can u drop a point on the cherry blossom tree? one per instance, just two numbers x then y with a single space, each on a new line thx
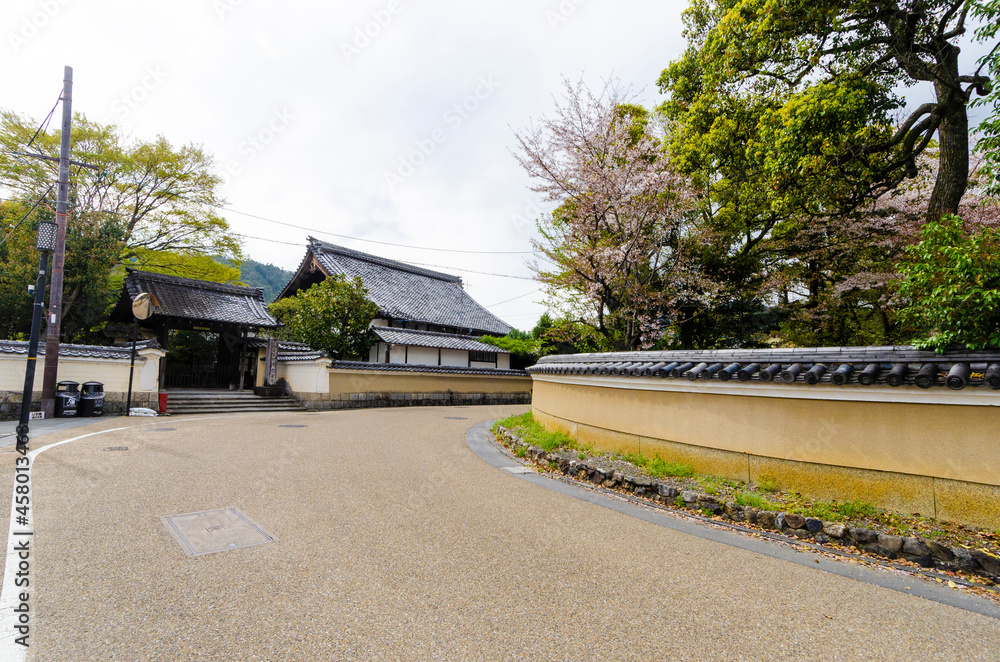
617 252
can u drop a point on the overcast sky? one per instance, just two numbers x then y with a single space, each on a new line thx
386 120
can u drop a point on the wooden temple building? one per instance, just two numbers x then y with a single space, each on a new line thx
426 318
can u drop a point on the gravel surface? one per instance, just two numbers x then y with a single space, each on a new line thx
395 542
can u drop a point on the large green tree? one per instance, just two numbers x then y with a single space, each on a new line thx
92 249
813 178
833 132
148 204
164 197
333 315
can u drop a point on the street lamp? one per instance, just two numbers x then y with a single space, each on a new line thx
46 244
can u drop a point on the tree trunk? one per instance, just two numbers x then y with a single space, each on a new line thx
953 136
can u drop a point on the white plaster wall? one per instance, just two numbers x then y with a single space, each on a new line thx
307 376
113 373
422 356
503 361
455 357
397 354
483 364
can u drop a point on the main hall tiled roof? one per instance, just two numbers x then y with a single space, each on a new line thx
405 292
433 339
199 300
895 366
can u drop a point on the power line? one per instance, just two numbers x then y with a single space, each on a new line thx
45 123
25 217
273 241
418 264
468 271
512 299
370 241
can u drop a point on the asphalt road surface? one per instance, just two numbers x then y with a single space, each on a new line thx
394 541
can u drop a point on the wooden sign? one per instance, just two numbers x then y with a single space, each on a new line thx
271 363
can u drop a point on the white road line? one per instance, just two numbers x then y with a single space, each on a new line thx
10 650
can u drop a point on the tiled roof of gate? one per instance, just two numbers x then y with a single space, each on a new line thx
299 355
395 336
187 298
864 366
403 291
255 342
79 351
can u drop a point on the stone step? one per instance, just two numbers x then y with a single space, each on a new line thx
215 396
241 406
198 410
221 402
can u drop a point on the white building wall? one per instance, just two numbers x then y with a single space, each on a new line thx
455 357
422 356
415 355
397 354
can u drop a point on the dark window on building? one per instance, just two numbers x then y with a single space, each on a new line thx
483 357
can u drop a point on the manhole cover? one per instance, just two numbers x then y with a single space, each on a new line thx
456 418
213 531
163 429
116 448
293 426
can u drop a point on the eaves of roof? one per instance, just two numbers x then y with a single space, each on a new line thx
396 336
451 370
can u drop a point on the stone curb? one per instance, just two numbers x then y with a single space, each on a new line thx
923 551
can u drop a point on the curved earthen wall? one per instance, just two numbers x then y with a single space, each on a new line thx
933 452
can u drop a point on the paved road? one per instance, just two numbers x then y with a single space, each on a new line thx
396 542
38 429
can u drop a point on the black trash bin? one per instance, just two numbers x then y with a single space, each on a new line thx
67 397
92 400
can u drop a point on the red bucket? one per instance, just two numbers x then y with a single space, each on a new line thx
163 403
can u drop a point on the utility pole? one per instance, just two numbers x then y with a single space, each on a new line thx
54 321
